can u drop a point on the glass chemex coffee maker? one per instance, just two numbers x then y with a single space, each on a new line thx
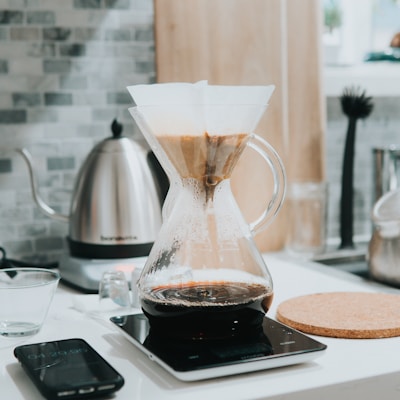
205 278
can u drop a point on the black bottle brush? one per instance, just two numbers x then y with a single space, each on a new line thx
355 105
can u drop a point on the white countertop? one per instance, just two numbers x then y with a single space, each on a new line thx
349 369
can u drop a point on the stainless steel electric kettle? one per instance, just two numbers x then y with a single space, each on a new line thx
115 208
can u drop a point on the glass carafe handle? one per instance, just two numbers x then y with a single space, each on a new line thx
268 153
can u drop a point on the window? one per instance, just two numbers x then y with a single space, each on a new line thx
354 28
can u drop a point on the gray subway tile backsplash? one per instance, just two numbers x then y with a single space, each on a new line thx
25 33
40 50
60 163
119 4
58 99
32 230
57 33
72 50
85 34
5 165
69 82
144 34
64 68
119 98
87 3
20 100
43 17
142 66
11 17
3 33
49 244
51 66
40 115
3 66
21 247
13 116
118 34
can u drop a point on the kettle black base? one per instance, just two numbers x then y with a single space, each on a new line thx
102 251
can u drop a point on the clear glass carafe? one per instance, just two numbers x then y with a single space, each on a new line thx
204 277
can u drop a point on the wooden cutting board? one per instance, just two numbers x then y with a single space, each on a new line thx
351 315
257 42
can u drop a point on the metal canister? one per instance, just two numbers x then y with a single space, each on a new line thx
386 170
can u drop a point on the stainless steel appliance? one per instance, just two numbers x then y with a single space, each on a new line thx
386 170
384 246
115 210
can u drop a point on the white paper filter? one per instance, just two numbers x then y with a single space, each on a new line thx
195 108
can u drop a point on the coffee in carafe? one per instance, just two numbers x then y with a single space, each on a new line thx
204 310
205 278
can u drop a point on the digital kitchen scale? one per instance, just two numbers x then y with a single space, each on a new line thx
85 274
276 345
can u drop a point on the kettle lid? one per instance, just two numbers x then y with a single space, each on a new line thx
116 129
117 142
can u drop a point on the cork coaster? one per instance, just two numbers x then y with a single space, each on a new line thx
351 315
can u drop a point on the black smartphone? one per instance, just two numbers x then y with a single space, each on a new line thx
68 369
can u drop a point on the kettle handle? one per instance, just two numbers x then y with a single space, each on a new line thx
269 154
35 191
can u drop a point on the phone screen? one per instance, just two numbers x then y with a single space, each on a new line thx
68 368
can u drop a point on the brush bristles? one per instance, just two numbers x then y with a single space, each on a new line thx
355 103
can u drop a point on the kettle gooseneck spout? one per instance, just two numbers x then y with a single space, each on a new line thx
50 212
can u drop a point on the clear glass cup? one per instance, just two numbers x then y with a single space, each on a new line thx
25 298
114 291
308 218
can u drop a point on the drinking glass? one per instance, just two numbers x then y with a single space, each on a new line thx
114 291
25 297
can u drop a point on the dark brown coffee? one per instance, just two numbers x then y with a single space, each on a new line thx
207 310
207 158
